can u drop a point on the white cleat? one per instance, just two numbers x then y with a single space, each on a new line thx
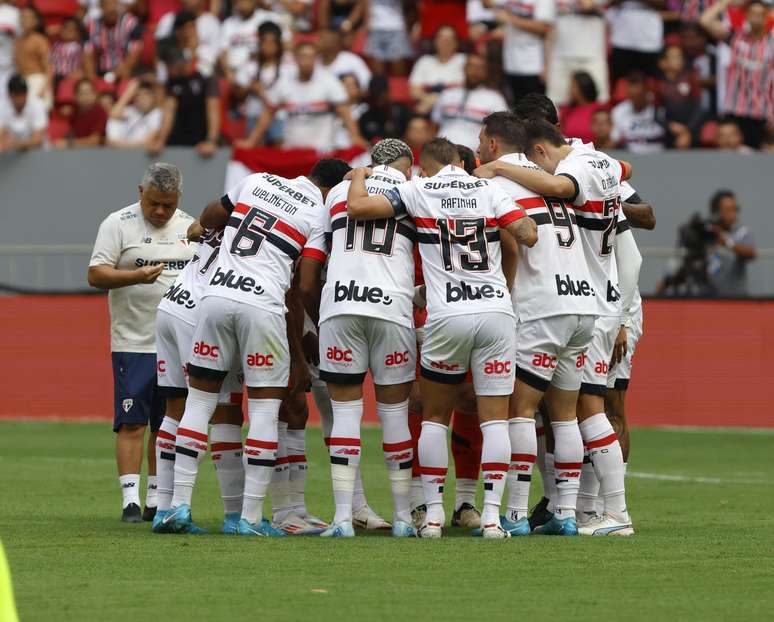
316 521
294 525
606 525
365 518
430 530
343 529
583 519
494 531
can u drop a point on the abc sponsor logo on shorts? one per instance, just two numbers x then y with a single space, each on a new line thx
397 358
471 292
205 350
445 366
161 367
601 368
544 361
337 355
581 360
360 293
260 360
230 280
567 287
497 368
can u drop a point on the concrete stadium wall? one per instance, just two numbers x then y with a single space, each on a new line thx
57 199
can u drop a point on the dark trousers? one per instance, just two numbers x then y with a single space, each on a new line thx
522 85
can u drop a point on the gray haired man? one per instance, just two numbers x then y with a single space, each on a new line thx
138 253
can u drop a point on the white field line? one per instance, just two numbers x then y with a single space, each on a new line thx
691 479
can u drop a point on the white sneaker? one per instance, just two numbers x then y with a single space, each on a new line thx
430 530
294 525
494 531
606 525
365 518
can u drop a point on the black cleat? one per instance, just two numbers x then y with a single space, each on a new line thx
148 514
466 516
132 514
539 515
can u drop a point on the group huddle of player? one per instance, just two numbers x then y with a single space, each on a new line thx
507 293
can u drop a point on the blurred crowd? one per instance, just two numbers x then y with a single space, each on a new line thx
333 74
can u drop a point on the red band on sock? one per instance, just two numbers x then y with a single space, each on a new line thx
602 442
398 446
297 458
283 460
192 434
523 458
166 435
433 471
327 440
225 446
352 442
251 442
568 465
495 466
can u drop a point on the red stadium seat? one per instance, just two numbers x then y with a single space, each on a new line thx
399 89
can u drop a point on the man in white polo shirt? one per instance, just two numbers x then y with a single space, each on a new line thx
138 254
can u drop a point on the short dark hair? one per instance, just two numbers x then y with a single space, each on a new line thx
729 121
269 28
440 150
536 107
586 85
539 131
182 18
468 158
17 85
723 193
637 77
506 127
329 172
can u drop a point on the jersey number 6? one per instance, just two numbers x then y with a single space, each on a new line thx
252 232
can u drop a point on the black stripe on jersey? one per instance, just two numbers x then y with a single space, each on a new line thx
433 238
634 199
328 240
406 231
592 224
339 223
285 246
234 222
226 203
622 226
575 185
544 218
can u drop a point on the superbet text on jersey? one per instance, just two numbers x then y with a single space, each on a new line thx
371 264
597 204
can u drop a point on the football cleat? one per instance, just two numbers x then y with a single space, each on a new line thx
430 530
401 529
418 515
540 514
158 525
494 531
263 528
315 521
583 519
466 516
148 513
178 520
294 525
559 527
606 525
516 528
365 518
344 529
231 523
131 514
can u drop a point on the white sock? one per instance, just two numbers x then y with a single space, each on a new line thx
417 494
280 481
226 453
344 447
434 464
464 492
540 460
588 490
165 463
549 483
191 443
521 431
495 454
607 459
296 447
568 460
151 496
398 451
259 456
130 485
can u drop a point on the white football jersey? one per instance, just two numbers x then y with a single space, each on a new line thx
552 277
183 296
458 219
371 262
272 218
597 205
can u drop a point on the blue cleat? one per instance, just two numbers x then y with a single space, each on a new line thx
559 527
231 523
344 529
158 525
178 520
401 529
264 528
516 528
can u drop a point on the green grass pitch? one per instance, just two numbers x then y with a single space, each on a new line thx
704 547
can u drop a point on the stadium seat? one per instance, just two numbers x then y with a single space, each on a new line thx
399 89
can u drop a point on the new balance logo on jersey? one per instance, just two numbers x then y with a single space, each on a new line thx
397 358
232 281
179 295
445 366
544 360
360 293
471 292
567 287
205 349
260 360
338 355
497 368
613 295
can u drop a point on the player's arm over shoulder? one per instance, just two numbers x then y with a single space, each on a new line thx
362 206
512 218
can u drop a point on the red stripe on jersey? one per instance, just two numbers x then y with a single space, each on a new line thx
339 207
523 457
251 442
596 207
568 465
289 231
338 440
623 170
531 202
166 435
314 253
602 442
510 217
398 446
495 466
192 434
429 223
225 446
241 208
432 471
297 458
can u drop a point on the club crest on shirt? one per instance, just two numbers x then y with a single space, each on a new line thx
127 405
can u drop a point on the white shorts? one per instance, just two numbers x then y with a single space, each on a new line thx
597 362
350 345
233 334
619 375
549 351
484 343
173 347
